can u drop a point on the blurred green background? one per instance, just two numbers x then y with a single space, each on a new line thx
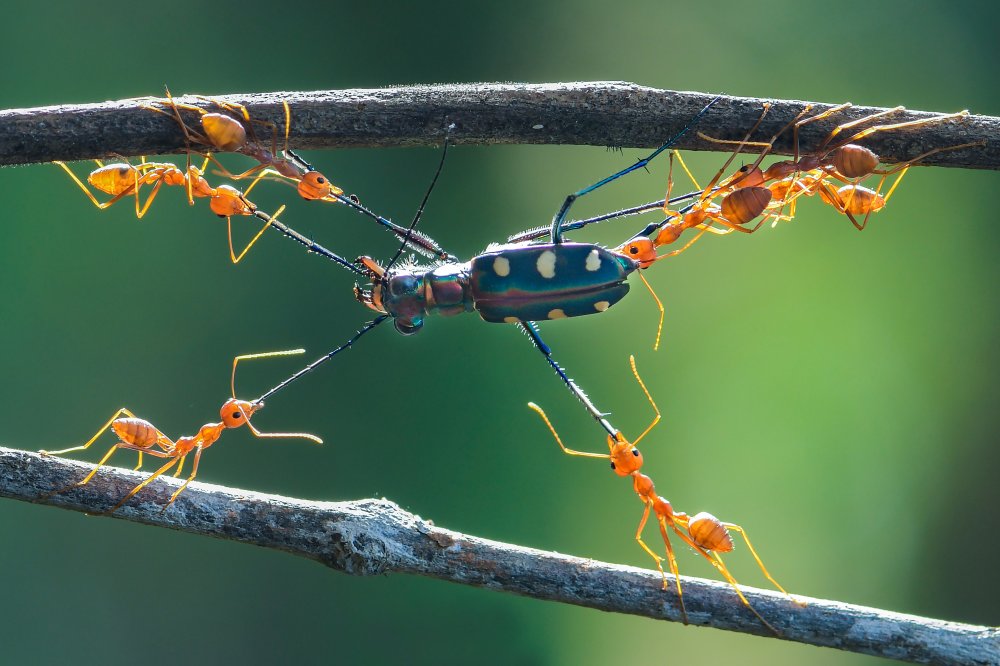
833 391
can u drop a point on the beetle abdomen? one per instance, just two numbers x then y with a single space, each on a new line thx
538 282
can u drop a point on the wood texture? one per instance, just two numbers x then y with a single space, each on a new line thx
589 113
376 537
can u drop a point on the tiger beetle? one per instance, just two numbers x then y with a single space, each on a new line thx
516 283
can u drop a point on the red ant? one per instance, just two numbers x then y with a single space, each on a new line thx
123 179
703 532
743 200
846 162
226 133
142 436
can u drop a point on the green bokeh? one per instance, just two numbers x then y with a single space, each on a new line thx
834 392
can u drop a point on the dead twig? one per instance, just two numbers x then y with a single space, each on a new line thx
592 113
370 537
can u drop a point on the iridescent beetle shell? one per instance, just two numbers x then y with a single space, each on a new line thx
539 282
509 283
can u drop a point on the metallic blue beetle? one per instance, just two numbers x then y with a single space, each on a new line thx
505 284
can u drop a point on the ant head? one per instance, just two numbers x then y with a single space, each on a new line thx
625 458
313 185
225 133
235 412
640 249
750 176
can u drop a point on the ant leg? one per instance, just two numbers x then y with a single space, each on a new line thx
555 233
736 528
922 156
659 305
89 476
194 473
149 200
93 439
819 116
132 493
854 123
910 123
180 466
716 561
190 136
674 253
706 194
672 561
649 551
268 220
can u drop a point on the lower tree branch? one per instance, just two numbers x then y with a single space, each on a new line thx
369 537
592 113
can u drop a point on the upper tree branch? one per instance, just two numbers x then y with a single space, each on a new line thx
376 537
597 113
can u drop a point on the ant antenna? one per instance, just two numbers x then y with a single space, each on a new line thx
248 357
420 210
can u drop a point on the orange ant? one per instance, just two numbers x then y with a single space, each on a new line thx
228 134
142 436
846 162
123 179
224 132
743 200
703 532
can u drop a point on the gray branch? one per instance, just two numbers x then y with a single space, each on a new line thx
594 113
373 537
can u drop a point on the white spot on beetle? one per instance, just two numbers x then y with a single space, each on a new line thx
593 261
501 266
546 264
511 320
556 314
601 306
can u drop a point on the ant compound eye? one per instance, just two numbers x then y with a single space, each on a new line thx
237 414
613 465
320 180
633 250
635 452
